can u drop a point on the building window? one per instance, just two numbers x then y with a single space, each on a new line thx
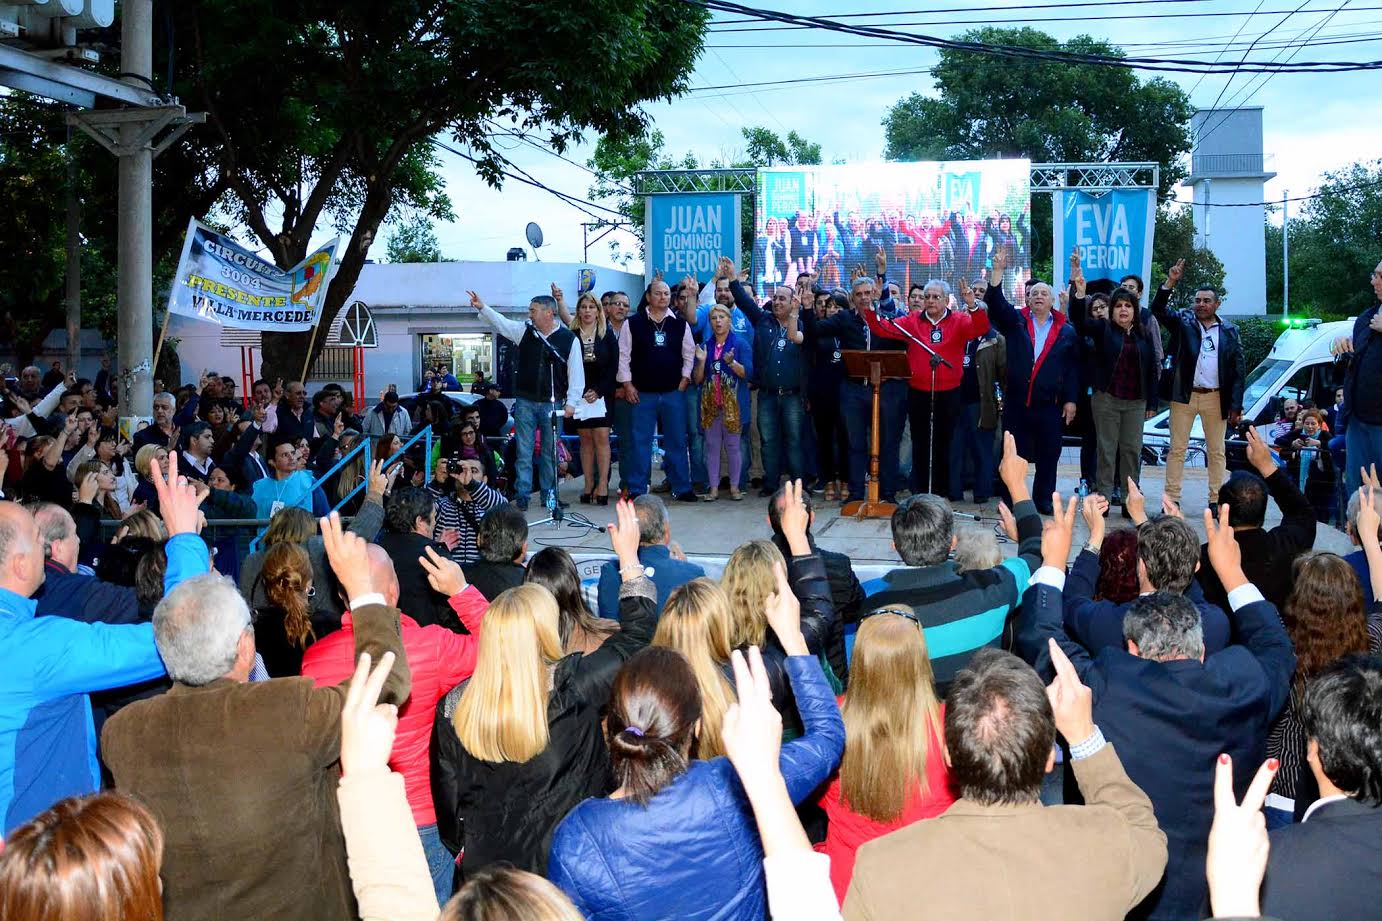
333 364
461 354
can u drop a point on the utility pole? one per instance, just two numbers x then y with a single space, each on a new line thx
135 287
74 261
1285 254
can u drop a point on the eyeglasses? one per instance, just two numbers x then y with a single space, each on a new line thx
899 612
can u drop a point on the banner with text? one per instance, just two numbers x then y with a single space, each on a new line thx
931 220
1113 231
687 234
222 282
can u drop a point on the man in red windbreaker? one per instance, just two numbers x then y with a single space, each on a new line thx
935 388
440 660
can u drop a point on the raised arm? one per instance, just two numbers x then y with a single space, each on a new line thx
1041 619
806 572
1297 528
510 329
1159 307
637 613
745 302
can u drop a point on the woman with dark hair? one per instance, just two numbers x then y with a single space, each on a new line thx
577 626
104 444
1308 445
1327 617
89 857
283 627
1124 374
667 802
1118 567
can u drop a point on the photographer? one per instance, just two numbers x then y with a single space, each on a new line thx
463 496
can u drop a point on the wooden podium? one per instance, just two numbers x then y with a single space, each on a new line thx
874 367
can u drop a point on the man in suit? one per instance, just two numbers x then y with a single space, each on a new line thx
1206 379
1328 865
1072 863
654 552
1169 708
1361 417
1167 552
1043 375
1267 555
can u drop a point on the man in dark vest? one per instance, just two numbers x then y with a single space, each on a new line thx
550 375
656 352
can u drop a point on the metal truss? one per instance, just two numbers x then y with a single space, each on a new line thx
1045 177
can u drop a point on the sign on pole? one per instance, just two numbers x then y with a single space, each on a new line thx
1112 229
686 234
222 282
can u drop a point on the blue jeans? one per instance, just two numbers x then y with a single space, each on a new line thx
621 420
440 862
1362 448
970 441
695 438
528 418
780 420
856 408
669 409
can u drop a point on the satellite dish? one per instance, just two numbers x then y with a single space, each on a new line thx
534 234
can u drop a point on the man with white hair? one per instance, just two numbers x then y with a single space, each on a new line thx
49 665
242 776
1043 375
933 397
162 431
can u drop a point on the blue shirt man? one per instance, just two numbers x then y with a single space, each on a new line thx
654 552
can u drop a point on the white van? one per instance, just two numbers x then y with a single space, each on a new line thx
1300 365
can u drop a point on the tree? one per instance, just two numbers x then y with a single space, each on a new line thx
1053 113
618 159
325 112
414 241
1334 246
1175 239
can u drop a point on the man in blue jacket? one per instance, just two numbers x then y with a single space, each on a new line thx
654 552
48 665
1043 375
1169 708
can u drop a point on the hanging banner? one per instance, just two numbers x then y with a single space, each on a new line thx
686 234
222 282
931 220
1112 229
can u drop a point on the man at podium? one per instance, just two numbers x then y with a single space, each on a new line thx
936 336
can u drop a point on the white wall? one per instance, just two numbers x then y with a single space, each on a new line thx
1238 237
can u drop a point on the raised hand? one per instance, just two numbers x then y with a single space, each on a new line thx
657 274
1094 507
1238 842
178 502
1072 702
475 301
1368 517
1369 476
880 261
783 612
367 726
1259 455
1135 503
1012 470
724 267
1077 279
1169 507
967 294
557 294
443 573
338 427
1074 260
1000 265
378 481
347 553
623 535
795 519
87 489
1174 275
450 537
1224 553
1005 515
752 727
1059 533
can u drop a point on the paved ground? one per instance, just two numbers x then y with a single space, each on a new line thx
715 529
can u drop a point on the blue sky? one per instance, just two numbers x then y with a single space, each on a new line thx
1313 122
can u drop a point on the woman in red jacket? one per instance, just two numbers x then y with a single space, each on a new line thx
894 771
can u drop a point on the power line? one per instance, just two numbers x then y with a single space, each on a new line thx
1241 27
981 9
1185 47
1063 56
1267 204
580 204
536 145
1244 59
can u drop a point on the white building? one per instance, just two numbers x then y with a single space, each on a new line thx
423 316
1227 168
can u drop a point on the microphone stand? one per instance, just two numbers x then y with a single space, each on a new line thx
936 362
556 514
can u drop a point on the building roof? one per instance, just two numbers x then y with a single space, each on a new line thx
499 284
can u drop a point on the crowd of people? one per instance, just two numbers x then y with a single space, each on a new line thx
410 715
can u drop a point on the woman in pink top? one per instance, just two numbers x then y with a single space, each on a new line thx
894 771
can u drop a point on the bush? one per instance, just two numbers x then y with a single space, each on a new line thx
1257 334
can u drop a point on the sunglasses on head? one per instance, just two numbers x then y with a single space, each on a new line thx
899 612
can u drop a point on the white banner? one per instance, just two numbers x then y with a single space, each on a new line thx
222 282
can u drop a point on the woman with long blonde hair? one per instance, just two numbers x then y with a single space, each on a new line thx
695 622
893 772
519 744
600 355
283 627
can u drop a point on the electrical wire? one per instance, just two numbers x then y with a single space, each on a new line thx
983 9
580 204
1234 74
1246 19
1267 204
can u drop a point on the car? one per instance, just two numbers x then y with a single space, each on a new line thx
458 397
1300 365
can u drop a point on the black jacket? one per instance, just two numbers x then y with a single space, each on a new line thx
606 366
1186 335
1267 555
1327 867
416 597
492 578
1106 344
504 811
846 595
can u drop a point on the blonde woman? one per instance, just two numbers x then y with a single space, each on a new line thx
519 744
600 355
695 622
748 583
894 771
